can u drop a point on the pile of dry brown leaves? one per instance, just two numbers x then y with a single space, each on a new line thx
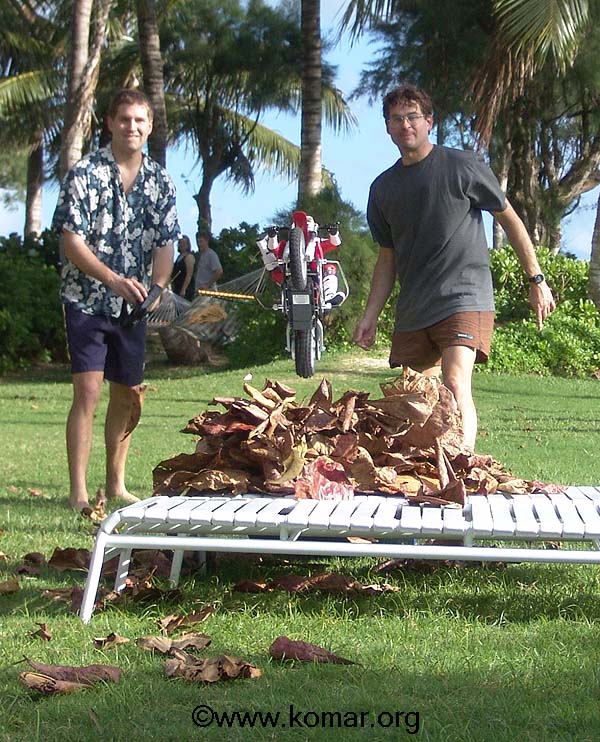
408 442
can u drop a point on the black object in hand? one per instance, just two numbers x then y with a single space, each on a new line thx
141 310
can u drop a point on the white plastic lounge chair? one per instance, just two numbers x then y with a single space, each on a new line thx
214 524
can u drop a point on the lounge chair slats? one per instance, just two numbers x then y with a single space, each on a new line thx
388 527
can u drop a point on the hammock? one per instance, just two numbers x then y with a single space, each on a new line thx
171 307
191 333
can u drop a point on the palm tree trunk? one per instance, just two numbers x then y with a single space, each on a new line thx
35 183
154 85
594 277
202 199
82 77
310 141
72 136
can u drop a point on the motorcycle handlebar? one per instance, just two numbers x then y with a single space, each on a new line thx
272 230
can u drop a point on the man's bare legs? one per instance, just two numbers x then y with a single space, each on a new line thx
457 372
117 444
87 388
86 393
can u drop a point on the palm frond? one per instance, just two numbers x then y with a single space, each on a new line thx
528 31
27 89
543 27
336 111
270 150
360 15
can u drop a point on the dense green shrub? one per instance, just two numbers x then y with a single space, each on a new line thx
569 344
31 323
566 275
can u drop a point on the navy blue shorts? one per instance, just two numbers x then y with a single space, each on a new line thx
100 344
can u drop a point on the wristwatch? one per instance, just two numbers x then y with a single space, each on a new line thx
537 279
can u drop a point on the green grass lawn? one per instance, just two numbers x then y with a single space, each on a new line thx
485 653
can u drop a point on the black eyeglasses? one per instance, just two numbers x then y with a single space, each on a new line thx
410 118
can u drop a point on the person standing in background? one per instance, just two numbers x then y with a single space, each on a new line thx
182 281
208 265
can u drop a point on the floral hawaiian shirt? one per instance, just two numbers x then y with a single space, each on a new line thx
120 229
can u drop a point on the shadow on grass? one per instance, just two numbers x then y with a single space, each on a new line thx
496 595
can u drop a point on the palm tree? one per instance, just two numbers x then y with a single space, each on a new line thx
309 176
534 30
32 90
225 67
528 33
82 76
30 74
154 84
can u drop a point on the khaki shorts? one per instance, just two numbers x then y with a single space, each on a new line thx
423 348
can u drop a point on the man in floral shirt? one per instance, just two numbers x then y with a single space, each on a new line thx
117 217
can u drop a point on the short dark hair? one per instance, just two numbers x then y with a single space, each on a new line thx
129 96
407 93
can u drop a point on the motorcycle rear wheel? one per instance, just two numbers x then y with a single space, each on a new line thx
298 265
305 352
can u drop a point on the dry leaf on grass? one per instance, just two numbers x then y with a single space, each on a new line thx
50 686
112 640
164 645
210 670
249 586
52 679
69 558
9 586
172 622
34 558
43 632
328 582
73 596
284 648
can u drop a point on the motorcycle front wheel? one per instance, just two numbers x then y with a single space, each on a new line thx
298 265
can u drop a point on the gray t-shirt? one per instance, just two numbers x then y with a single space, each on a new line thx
430 214
207 262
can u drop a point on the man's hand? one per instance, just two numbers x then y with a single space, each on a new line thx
133 291
364 335
142 309
542 302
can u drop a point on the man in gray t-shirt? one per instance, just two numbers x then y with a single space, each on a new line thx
425 212
208 265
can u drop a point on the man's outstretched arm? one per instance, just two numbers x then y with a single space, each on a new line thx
382 285
540 295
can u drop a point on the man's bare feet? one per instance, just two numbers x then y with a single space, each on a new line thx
82 507
125 497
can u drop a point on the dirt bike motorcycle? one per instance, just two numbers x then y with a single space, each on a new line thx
311 284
